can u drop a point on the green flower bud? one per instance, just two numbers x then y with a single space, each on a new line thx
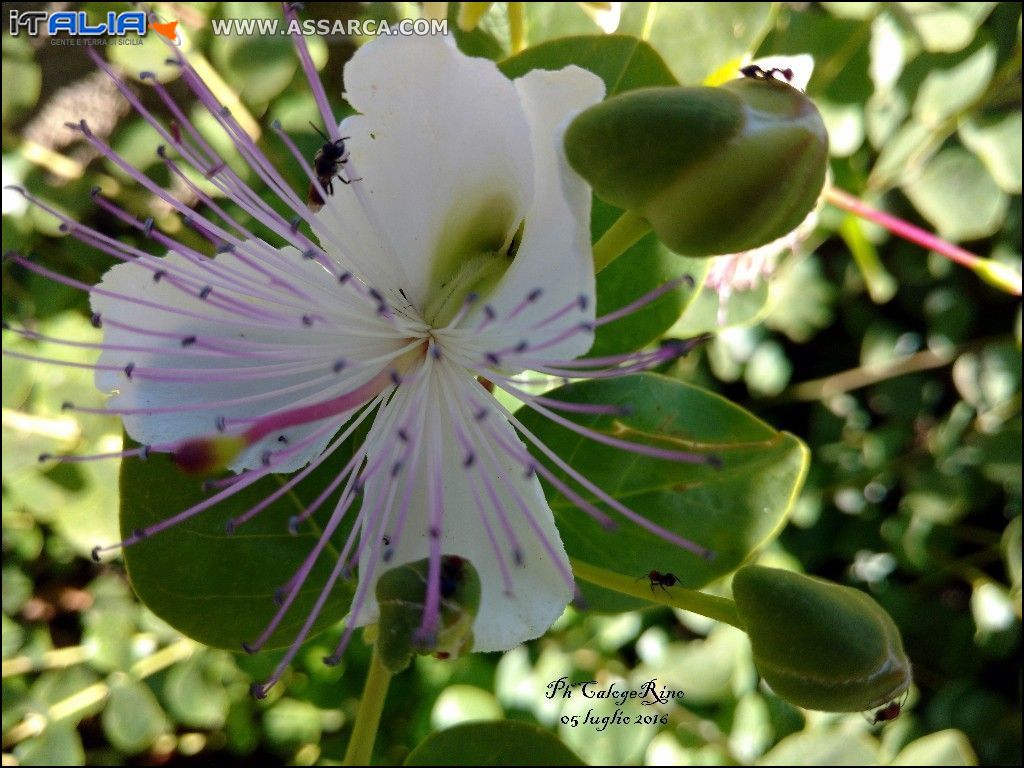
820 645
401 593
714 170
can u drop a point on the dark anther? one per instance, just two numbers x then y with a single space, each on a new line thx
294 223
257 691
159 275
481 414
582 301
293 525
128 370
522 346
248 648
147 226
344 277
396 468
206 291
535 294
376 295
279 596
225 112
489 312
469 460
307 320
435 533
146 75
224 248
45 457
144 453
435 351
403 435
161 151
283 439
137 535
188 341
265 458
67 405
309 254
339 366
715 462
518 558
396 379
229 527
220 422
96 554
332 660
63 227
492 358
96 320
95 192
531 470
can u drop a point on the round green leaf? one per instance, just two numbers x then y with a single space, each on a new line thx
949 747
506 742
958 196
219 588
133 718
623 62
731 510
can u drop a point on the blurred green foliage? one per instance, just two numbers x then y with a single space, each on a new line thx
900 370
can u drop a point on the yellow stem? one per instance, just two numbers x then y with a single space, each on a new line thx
714 607
624 233
364 732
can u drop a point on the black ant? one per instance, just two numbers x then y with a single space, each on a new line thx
757 73
659 579
327 164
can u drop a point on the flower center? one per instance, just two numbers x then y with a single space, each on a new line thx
476 247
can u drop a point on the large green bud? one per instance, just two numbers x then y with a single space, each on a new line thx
714 170
820 645
401 593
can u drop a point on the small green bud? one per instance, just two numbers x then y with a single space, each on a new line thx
714 170
401 593
820 645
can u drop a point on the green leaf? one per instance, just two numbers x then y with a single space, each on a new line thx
59 744
824 747
949 747
731 511
958 196
623 62
506 742
996 140
641 269
697 39
219 588
133 718
194 696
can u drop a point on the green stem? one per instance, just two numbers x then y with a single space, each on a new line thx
629 228
714 607
371 705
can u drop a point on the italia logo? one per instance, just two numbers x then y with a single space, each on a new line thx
77 23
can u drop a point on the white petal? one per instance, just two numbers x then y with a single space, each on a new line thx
555 253
310 353
539 590
442 148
